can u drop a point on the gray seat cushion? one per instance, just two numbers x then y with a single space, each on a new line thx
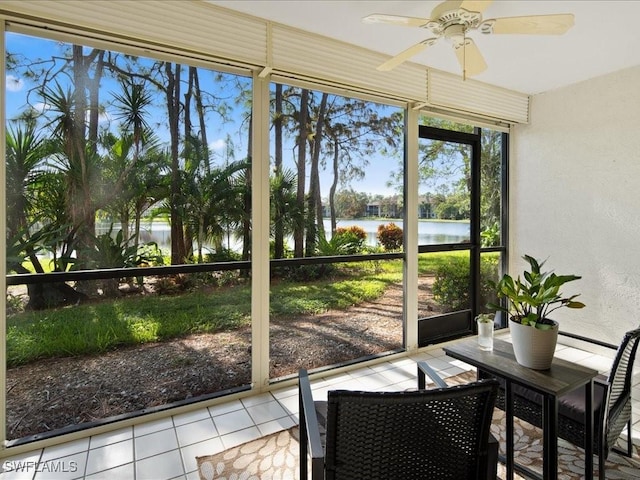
571 405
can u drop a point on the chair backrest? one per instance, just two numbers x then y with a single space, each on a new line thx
439 433
618 399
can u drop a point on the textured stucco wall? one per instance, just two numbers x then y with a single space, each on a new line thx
575 198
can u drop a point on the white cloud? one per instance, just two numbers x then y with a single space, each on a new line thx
14 84
217 144
41 107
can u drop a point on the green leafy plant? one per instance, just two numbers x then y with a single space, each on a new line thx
345 241
533 298
355 236
118 252
485 318
490 235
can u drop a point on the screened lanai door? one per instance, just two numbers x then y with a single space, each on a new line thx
448 232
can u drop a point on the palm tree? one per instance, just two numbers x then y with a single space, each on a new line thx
132 106
132 110
26 151
286 217
213 205
80 165
35 217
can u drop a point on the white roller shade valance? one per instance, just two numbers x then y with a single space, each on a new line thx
198 29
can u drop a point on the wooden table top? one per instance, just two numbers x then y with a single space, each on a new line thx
561 378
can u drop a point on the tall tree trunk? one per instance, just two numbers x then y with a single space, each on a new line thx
201 120
188 144
124 223
94 102
334 185
278 251
303 119
246 218
314 219
178 250
318 140
191 156
200 238
80 147
138 214
80 196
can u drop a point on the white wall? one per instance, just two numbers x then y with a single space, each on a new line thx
575 198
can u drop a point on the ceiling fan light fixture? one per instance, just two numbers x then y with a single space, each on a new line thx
455 34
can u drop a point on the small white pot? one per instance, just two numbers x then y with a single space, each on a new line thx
532 347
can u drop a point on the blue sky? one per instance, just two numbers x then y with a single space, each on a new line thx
17 88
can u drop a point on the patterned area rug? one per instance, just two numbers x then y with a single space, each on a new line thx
276 456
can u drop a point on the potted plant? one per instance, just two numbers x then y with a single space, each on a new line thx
530 302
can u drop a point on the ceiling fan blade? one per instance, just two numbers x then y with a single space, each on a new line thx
476 5
405 55
470 58
395 20
531 25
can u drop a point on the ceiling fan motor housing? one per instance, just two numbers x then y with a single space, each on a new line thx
448 15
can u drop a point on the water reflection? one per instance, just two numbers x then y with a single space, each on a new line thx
430 232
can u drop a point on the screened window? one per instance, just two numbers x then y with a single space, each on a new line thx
117 167
337 206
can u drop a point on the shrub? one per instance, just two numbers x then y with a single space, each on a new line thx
117 252
288 252
305 273
15 303
224 255
345 241
173 284
354 231
451 285
490 236
390 237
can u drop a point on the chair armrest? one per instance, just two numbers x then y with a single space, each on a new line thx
425 369
310 441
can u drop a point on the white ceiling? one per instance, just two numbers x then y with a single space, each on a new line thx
605 38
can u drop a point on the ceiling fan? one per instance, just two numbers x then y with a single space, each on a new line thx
453 19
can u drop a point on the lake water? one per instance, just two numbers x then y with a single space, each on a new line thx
429 232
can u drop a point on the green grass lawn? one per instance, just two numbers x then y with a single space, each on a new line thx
104 325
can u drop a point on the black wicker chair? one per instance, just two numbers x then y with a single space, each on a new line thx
611 403
438 433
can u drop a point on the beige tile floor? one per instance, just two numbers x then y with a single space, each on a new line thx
166 449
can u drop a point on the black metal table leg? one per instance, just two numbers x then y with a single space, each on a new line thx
588 422
550 437
508 408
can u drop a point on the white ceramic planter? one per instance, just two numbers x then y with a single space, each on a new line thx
533 348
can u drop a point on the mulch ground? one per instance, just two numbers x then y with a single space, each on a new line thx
51 394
